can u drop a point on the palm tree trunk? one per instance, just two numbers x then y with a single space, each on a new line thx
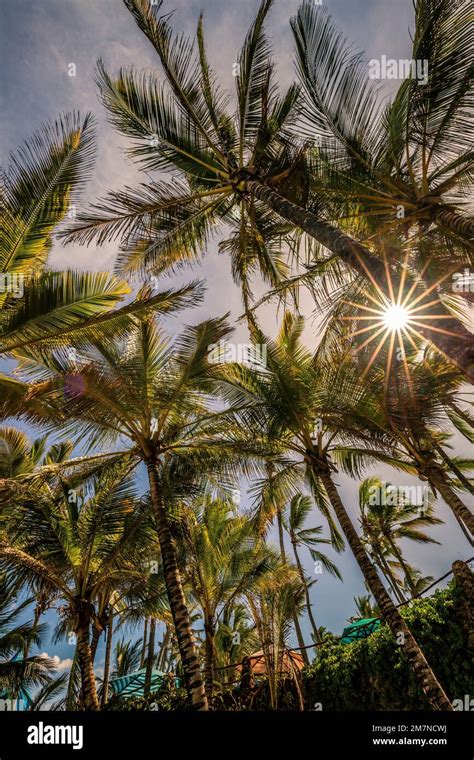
210 655
298 631
150 658
144 643
96 634
385 568
453 467
163 649
461 225
84 656
108 654
177 601
438 483
456 343
306 590
404 566
425 676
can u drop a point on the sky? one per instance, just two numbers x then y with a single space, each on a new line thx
39 39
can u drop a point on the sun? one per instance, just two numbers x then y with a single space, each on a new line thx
395 317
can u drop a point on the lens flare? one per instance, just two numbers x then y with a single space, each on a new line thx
394 314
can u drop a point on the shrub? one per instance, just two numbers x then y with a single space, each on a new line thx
373 674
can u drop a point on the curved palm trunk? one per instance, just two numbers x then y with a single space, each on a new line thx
298 631
150 658
425 676
306 591
84 656
108 654
457 343
437 481
177 601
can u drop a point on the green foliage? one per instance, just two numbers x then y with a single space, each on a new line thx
371 674
374 674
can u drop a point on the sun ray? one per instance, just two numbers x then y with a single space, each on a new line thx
397 315
375 354
393 336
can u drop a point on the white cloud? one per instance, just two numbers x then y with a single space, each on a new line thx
58 663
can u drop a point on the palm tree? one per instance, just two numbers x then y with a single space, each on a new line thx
126 658
286 400
18 670
78 550
300 508
270 507
245 168
418 582
413 403
365 607
155 394
223 562
414 152
42 309
236 638
388 516
272 603
398 174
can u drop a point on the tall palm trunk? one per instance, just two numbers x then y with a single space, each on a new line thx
210 656
108 654
425 676
317 635
163 649
406 570
386 570
150 657
438 483
298 631
456 342
454 468
95 638
84 656
177 601
144 643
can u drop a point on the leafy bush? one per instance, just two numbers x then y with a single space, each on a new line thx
373 674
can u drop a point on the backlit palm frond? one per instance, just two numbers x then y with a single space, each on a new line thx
182 69
340 97
165 137
253 83
63 309
44 178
